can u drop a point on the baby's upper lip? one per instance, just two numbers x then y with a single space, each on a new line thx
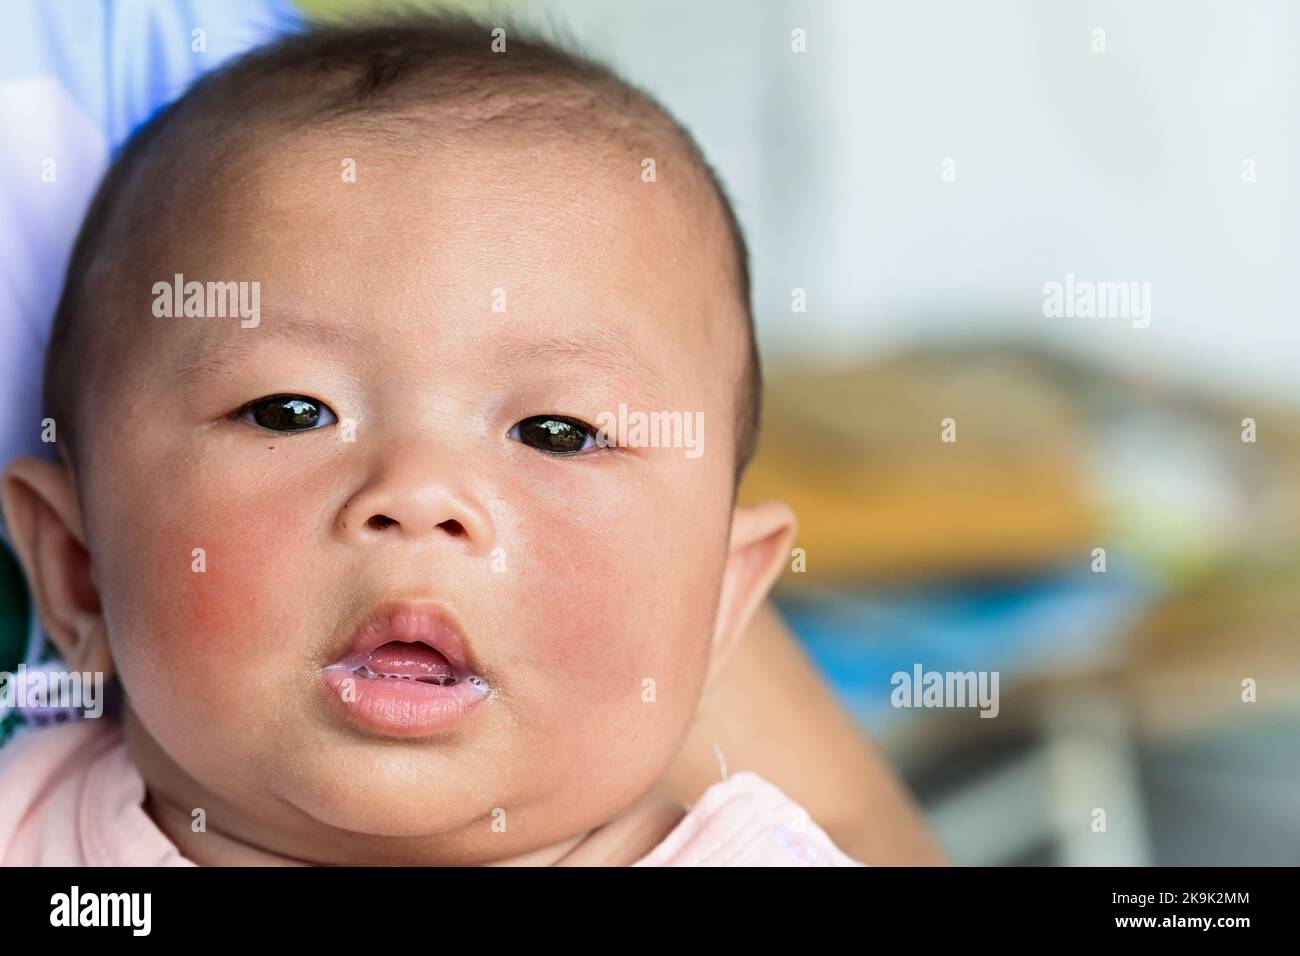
425 622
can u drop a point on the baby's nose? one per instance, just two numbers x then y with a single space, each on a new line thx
417 502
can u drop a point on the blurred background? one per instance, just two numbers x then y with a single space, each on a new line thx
1115 530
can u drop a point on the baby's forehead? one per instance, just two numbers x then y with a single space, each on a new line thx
546 241
498 218
584 181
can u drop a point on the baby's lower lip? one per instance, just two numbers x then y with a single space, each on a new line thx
401 706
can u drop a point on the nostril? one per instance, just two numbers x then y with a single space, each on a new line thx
380 522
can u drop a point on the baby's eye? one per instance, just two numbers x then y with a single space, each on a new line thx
288 413
555 435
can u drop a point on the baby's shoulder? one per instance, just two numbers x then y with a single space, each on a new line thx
42 773
745 820
39 751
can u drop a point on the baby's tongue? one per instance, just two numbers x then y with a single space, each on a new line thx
408 659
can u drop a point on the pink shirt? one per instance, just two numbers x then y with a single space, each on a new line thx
71 796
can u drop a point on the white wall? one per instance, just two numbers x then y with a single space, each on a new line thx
1114 166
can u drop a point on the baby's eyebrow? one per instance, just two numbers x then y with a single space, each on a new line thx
602 349
305 331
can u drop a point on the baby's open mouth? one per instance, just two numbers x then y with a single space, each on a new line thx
407 672
407 660
410 661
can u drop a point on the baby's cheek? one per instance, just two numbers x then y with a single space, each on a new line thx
207 611
619 619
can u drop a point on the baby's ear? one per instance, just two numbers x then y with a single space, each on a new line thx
44 521
761 536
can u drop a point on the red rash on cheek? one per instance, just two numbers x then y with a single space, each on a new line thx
215 611
603 607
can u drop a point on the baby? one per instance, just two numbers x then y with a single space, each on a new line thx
356 496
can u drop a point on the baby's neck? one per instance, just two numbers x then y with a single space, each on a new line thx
619 842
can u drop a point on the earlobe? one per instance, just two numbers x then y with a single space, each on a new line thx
761 537
43 518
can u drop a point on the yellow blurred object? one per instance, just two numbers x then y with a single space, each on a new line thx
858 454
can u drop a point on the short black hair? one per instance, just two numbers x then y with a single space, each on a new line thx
379 76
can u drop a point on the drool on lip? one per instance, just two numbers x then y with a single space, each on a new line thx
407 675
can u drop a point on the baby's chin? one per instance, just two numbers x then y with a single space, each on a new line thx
378 792
381 808
370 800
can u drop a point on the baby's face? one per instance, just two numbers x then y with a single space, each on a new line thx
236 562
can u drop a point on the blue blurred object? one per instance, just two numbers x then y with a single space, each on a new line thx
1022 629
